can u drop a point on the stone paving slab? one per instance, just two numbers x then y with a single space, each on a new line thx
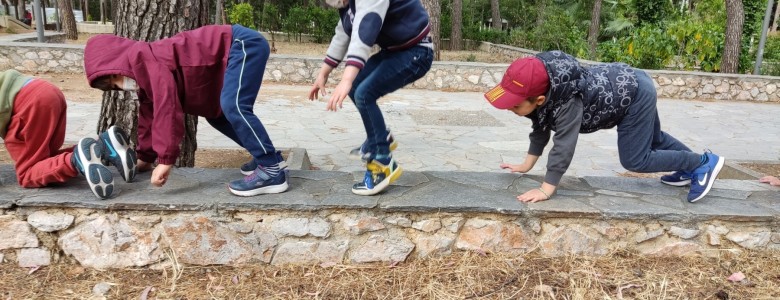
191 189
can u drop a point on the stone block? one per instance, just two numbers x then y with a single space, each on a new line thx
359 225
380 248
105 243
198 240
428 225
310 253
750 240
33 257
683 233
493 236
50 222
571 240
434 245
300 227
16 234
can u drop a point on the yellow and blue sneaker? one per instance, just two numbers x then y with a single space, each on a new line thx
379 175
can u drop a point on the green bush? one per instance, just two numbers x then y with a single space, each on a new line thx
296 22
772 47
559 31
325 21
699 45
242 14
649 47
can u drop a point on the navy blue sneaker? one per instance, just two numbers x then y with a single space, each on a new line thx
118 152
359 153
86 159
261 181
704 176
248 168
378 177
678 178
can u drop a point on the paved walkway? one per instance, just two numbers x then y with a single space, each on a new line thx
459 131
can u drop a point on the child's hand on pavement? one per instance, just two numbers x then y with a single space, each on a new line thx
523 168
142 166
532 196
771 180
339 94
160 175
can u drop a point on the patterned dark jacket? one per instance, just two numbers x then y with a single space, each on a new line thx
580 100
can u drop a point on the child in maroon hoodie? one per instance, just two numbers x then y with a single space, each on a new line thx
214 72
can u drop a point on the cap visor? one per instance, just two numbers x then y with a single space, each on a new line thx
503 99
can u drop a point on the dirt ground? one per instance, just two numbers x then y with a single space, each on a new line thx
468 275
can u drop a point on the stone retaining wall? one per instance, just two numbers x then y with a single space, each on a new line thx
103 239
451 76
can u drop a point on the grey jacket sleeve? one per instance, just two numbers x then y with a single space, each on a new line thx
538 137
567 124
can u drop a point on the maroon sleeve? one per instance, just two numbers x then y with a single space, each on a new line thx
145 117
168 117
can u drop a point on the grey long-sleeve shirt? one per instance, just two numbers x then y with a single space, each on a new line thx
567 126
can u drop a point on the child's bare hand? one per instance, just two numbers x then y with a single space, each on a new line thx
160 175
771 180
339 94
317 89
524 168
142 166
532 196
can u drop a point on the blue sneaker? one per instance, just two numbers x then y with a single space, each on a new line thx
678 178
86 159
359 153
704 176
260 182
118 152
248 168
378 177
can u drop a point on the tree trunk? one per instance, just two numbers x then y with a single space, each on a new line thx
151 21
220 6
86 10
496 14
541 6
83 10
593 33
20 10
434 12
102 11
735 17
6 7
68 20
774 28
456 36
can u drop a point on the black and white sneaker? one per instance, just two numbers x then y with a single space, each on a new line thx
118 152
86 159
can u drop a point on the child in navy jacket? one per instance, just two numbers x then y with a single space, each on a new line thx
560 95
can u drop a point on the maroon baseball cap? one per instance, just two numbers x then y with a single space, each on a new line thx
525 77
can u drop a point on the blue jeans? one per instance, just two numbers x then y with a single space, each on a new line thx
384 73
243 76
642 146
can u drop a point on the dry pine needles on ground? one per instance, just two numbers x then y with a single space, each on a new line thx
619 275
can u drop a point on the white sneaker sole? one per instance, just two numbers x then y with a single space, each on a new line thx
679 183
99 178
126 159
273 189
711 180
